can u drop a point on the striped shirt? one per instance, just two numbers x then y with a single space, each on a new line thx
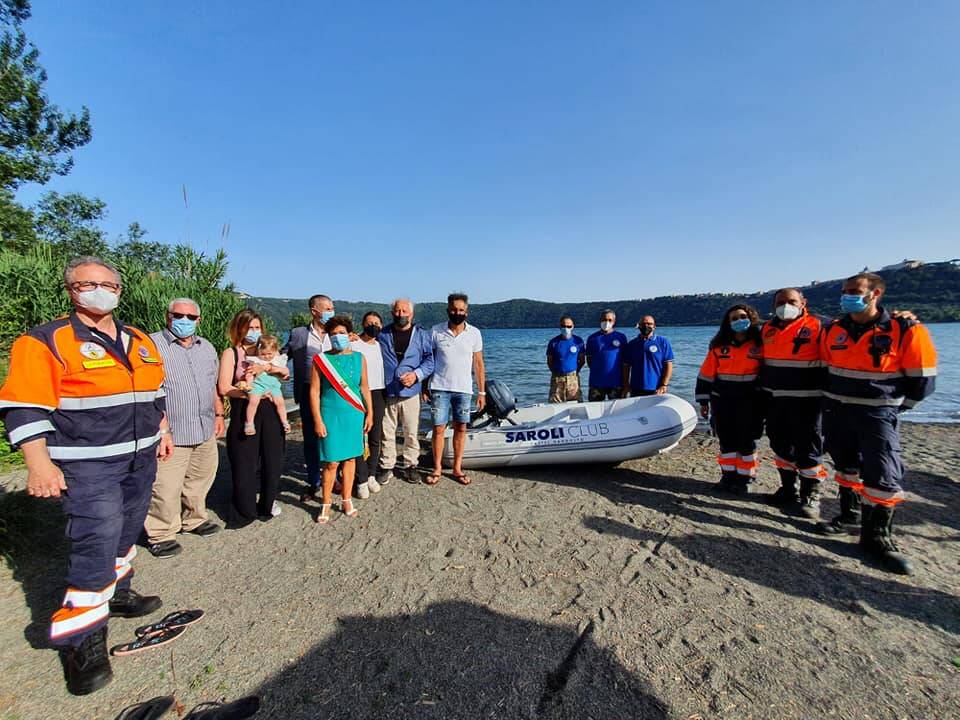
190 382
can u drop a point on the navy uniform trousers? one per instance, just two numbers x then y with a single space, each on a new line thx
794 428
105 503
864 443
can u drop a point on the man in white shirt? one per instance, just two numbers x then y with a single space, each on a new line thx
458 358
368 346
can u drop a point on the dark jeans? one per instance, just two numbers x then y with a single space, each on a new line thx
369 467
311 449
250 454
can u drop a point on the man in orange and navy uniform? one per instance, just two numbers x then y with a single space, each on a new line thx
792 377
84 401
877 366
727 386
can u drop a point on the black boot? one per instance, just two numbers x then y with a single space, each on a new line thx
86 667
129 604
810 498
786 495
728 479
236 710
876 540
848 521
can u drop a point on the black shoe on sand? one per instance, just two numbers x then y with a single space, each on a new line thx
205 528
165 549
131 604
86 667
237 710
149 710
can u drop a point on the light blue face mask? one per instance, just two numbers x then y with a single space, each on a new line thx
741 325
326 315
183 327
853 303
566 332
251 337
340 341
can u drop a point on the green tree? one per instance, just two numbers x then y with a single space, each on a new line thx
70 224
153 255
36 137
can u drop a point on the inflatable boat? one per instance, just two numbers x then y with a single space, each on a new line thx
594 432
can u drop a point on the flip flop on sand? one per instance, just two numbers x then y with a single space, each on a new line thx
433 478
179 618
149 710
461 478
236 710
150 641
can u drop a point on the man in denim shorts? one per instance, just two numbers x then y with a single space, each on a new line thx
458 357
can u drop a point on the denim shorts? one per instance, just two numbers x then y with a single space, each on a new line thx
445 403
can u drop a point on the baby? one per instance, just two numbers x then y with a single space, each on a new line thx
264 383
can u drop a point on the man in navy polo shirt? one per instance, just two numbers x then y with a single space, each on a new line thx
565 357
605 357
647 361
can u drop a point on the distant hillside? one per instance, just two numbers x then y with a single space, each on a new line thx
932 291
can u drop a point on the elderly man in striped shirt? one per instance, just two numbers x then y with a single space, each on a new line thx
195 413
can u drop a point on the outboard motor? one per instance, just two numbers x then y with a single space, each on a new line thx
501 403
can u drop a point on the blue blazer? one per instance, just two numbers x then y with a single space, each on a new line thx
418 359
296 350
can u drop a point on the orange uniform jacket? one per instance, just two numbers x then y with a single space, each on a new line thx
91 403
729 369
792 365
890 362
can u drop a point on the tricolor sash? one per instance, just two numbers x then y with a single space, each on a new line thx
336 380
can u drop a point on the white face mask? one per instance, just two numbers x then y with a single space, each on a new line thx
788 311
98 300
606 326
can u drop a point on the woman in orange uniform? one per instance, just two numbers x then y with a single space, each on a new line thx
727 386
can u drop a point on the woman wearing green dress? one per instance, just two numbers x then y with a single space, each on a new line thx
342 412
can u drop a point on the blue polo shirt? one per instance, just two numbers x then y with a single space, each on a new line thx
605 351
646 359
564 353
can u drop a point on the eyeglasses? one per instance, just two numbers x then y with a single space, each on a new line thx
181 316
87 285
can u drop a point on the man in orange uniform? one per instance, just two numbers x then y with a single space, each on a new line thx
877 366
792 376
84 401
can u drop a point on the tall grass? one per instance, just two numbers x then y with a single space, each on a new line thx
31 289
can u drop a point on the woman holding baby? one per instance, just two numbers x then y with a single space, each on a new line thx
257 445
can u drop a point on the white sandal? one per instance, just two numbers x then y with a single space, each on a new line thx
348 509
323 517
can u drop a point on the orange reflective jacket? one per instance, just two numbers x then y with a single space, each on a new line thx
91 402
889 362
792 365
729 368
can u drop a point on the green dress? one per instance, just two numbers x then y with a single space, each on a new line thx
344 422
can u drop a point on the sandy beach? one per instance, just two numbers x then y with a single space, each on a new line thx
632 592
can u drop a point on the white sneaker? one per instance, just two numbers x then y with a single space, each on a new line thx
275 510
373 484
363 492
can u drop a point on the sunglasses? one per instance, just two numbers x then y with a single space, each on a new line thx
181 316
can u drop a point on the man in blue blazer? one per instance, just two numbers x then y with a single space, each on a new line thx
303 344
407 361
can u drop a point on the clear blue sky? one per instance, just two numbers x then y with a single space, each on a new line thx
553 150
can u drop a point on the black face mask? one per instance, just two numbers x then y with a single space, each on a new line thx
456 318
371 331
646 330
401 322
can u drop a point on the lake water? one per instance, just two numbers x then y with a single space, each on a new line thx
517 357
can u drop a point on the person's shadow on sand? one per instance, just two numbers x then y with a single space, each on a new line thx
457 660
35 548
803 575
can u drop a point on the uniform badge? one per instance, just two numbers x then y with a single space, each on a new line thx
573 348
804 333
144 352
841 337
753 351
616 343
653 348
93 351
